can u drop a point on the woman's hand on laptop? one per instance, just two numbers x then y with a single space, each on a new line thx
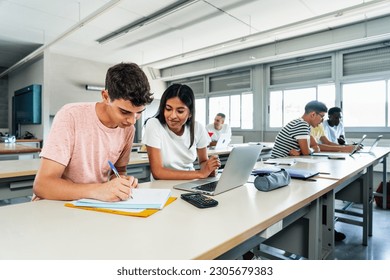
210 167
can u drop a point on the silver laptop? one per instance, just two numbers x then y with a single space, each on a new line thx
236 172
364 150
223 141
358 145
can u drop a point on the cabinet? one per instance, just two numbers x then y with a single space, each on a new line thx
11 151
140 171
35 143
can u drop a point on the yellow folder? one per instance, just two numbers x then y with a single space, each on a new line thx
144 213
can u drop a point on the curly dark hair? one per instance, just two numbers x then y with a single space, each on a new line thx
334 110
127 81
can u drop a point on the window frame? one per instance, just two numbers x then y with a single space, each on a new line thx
208 94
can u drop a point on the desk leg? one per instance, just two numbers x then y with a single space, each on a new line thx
314 217
369 181
384 184
327 213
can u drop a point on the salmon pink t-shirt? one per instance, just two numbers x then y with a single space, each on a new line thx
80 142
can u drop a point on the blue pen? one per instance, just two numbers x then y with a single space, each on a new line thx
114 169
115 172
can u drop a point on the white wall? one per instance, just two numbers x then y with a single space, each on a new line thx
157 87
67 77
63 81
4 109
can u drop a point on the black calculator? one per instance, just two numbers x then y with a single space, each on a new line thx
199 200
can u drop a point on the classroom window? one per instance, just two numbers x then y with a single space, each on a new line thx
388 103
247 112
238 109
286 105
200 113
364 104
219 105
228 93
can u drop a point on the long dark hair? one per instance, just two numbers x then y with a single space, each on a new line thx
186 95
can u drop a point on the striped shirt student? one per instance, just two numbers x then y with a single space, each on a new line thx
294 138
287 138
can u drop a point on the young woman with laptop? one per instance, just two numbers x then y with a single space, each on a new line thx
174 140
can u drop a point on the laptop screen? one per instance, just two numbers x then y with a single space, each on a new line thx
358 145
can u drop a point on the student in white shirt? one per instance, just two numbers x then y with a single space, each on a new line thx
218 128
174 140
333 126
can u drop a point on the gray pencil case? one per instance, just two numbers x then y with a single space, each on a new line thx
272 181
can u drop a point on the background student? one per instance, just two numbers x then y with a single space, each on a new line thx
318 138
294 138
85 136
218 128
174 139
334 127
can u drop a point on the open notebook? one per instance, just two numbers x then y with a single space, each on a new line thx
142 198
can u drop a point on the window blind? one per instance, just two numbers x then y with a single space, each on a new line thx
197 85
301 71
367 61
232 81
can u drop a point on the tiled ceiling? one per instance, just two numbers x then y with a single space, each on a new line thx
166 32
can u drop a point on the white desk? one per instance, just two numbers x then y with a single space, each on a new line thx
49 230
354 177
181 231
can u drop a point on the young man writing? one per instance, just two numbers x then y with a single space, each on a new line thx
85 136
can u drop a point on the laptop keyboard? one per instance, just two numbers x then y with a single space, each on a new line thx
208 187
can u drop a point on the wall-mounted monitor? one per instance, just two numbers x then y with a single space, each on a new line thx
27 104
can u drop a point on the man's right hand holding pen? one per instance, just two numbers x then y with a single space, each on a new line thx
121 187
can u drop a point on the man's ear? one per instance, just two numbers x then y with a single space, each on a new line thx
105 96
